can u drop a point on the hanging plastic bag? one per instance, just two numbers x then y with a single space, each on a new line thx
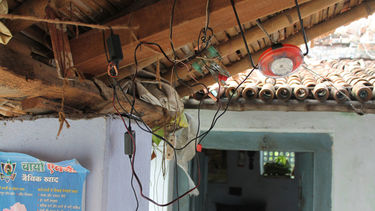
5 34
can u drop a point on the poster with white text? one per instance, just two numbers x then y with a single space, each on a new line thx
29 184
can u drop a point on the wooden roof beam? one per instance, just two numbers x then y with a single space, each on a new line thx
275 24
272 25
363 10
153 21
23 78
29 8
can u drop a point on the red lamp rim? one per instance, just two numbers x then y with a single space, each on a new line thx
282 45
281 51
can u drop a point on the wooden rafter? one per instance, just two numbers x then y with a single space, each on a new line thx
61 47
363 10
88 50
275 24
272 25
30 8
22 78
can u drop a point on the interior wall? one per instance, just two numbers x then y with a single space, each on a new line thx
353 184
97 144
275 192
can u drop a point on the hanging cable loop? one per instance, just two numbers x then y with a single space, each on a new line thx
242 34
259 24
303 28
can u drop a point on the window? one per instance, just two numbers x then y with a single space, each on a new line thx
277 163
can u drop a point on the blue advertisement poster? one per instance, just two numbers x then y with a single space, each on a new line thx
29 184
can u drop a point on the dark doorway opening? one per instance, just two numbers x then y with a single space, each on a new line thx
235 182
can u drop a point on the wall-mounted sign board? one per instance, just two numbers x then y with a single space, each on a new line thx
29 184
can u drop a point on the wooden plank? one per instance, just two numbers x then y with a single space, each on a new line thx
38 35
88 50
30 8
10 108
61 47
363 10
276 23
272 25
39 105
24 78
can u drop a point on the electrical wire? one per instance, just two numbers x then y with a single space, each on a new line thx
259 24
206 40
303 28
176 172
135 174
132 185
359 111
132 103
207 14
242 34
131 157
171 29
215 117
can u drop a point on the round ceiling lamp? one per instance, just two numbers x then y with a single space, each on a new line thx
280 60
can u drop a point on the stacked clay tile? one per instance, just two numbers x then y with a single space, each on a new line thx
250 88
336 80
355 76
300 91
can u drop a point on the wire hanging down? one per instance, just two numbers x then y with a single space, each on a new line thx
359 111
242 34
303 28
259 24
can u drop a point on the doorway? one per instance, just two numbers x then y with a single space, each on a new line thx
310 190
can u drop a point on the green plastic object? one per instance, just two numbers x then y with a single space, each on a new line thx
197 67
155 139
213 53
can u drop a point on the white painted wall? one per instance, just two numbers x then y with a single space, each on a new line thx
161 189
117 188
96 144
353 183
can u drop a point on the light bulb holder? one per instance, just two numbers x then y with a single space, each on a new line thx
280 60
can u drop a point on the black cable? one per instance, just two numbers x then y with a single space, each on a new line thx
138 180
303 28
215 119
213 123
105 46
226 107
259 24
131 182
242 34
137 113
175 154
176 172
130 157
206 39
132 104
150 43
203 134
171 29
